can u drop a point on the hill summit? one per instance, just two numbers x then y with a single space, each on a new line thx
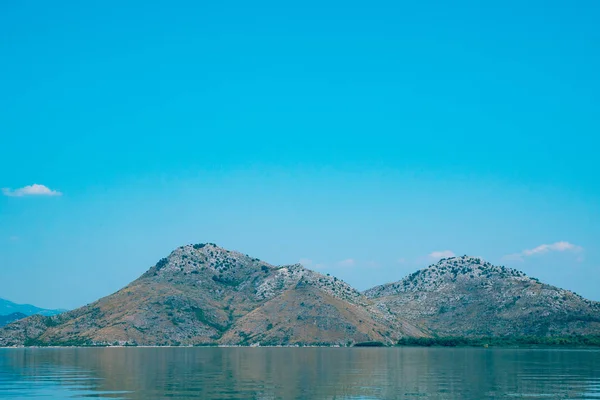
467 296
204 294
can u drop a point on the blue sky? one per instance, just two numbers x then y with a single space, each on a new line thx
365 139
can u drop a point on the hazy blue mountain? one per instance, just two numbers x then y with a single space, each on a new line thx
7 319
8 307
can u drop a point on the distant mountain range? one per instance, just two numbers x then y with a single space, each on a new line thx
203 294
10 318
10 312
8 307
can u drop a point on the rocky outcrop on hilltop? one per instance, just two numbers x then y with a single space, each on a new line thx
204 294
467 296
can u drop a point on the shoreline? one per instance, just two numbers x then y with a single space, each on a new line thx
513 347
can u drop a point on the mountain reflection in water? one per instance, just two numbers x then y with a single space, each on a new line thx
299 373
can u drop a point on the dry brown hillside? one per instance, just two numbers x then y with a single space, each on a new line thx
203 294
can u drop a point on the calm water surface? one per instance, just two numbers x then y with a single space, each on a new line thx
299 373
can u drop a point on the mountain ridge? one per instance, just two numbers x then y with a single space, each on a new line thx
8 307
203 294
10 318
468 296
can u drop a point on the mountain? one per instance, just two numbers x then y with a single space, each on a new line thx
7 319
203 294
8 307
467 296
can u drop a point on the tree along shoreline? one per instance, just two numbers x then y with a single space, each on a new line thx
504 341
575 341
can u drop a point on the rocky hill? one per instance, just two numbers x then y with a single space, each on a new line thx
203 294
10 318
467 296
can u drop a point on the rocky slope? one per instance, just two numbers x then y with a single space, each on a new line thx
466 296
204 294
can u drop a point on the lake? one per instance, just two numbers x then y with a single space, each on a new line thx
299 373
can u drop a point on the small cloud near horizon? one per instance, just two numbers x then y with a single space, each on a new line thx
347 263
305 261
310 264
544 249
31 190
436 255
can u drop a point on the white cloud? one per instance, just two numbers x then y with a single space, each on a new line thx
306 262
441 254
401 260
546 248
346 263
31 190
513 257
349 262
558 246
